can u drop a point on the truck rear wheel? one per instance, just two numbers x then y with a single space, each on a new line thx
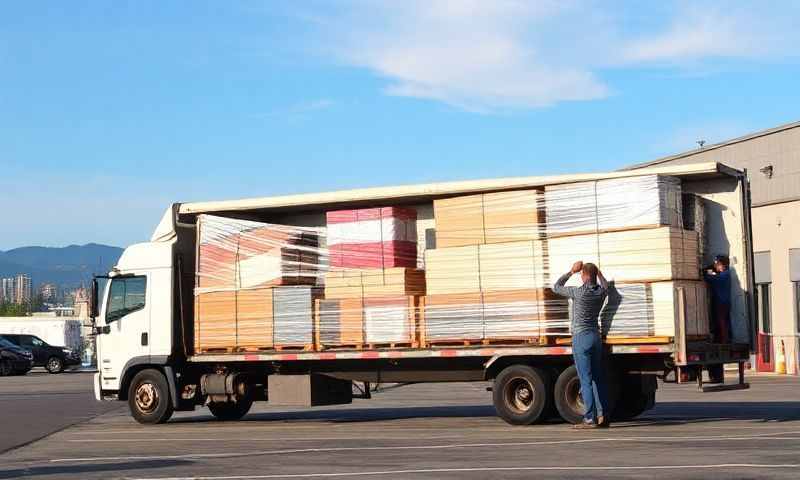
631 406
227 411
521 393
567 393
148 397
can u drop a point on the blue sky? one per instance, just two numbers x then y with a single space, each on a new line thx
110 111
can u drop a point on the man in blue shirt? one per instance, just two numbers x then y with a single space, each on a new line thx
587 345
718 277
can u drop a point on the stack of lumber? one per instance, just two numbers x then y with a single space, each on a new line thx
391 321
489 218
655 254
293 317
357 283
373 279
245 275
234 254
372 238
614 204
651 309
255 319
631 228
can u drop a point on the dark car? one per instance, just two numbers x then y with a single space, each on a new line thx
14 360
53 358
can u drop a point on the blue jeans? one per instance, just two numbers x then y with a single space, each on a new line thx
587 350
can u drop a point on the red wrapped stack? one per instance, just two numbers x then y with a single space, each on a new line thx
373 238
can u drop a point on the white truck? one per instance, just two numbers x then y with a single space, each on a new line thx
143 314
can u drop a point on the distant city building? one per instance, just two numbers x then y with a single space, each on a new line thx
23 289
48 291
7 290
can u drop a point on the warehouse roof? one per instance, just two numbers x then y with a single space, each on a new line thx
427 191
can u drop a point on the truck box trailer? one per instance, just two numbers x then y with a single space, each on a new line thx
168 338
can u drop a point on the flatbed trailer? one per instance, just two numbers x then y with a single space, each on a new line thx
146 356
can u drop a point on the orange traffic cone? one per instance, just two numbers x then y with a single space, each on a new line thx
780 360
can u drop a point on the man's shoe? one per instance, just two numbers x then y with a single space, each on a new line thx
584 426
603 422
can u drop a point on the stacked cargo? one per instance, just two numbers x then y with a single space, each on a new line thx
373 286
485 279
254 285
354 282
632 228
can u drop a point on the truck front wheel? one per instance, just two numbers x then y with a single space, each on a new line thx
148 397
227 411
520 394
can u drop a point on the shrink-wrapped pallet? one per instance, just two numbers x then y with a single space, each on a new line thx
340 322
215 321
614 204
254 319
352 283
651 309
489 218
293 317
513 314
391 320
234 254
452 317
372 238
627 256
512 265
452 270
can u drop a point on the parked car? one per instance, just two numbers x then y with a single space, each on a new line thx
53 358
14 360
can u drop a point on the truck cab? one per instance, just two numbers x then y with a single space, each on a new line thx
133 316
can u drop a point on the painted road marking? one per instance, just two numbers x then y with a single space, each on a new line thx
762 437
488 469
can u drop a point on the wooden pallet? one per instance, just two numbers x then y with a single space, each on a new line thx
622 340
344 346
376 346
511 341
455 343
255 349
298 347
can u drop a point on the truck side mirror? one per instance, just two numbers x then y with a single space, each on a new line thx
93 300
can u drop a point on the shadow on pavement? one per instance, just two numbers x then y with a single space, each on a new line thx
679 413
364 414
75 471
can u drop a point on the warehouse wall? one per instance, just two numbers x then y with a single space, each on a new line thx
776 229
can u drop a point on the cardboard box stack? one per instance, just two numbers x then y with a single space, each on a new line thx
630 227
247 277
373 286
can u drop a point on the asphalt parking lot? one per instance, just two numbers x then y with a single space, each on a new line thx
430 431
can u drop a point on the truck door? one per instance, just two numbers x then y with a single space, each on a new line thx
126 319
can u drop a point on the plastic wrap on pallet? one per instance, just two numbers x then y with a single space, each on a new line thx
237 254
355 282
614 204
372 237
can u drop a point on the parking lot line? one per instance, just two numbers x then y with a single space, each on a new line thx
776 436
720 466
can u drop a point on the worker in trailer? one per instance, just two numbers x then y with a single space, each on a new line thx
718 277
587 344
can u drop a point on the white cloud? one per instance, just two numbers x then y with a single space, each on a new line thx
519 54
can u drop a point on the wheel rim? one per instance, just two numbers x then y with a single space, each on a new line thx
519 394
146 397
54 364
573 394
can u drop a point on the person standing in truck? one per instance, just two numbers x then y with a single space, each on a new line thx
718 277
587 344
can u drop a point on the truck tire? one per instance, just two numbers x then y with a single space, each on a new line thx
567 393
54 365
228 411
148 397
521 394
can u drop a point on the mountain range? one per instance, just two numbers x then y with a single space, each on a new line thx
67 267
